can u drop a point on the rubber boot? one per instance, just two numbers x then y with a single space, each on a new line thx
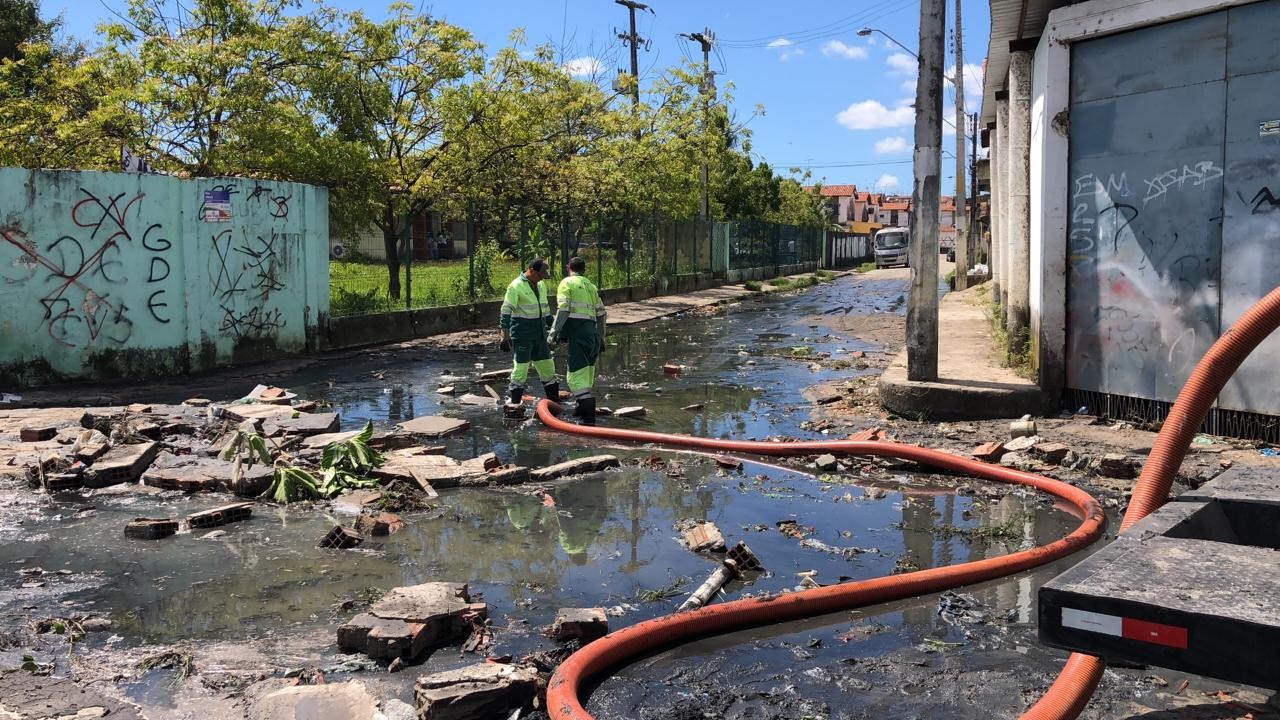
552 389
517 396
586 410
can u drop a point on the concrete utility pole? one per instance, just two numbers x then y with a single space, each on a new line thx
633 40
961 221
922 303
1019 192
972 239
706 39
1000 175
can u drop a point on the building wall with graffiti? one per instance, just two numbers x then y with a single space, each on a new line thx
134 275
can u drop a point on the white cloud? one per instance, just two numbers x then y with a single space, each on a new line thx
886 182
585 66
787 52
902 63
891 145
836 48
871 115
909 86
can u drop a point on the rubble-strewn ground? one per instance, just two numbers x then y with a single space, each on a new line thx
205 625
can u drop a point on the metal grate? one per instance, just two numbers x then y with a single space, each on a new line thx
1226 423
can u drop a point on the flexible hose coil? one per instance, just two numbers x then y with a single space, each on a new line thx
1073 688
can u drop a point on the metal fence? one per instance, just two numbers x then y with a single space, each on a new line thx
439 262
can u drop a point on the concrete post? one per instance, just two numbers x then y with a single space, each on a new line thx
996 253
1002 202
961 220
1018 325
922 300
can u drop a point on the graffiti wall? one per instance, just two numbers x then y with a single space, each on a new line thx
132 275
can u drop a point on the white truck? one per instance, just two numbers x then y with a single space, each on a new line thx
891 246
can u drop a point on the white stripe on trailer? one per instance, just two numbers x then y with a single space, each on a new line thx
1093 622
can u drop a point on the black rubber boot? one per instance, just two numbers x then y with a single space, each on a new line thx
517 396
552 389
586 410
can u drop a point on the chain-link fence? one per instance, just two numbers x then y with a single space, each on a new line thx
436 261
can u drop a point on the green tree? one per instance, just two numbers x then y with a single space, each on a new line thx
391 89
20 23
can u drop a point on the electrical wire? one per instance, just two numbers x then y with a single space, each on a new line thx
838 27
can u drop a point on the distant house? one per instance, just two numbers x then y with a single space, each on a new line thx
895 212
432 237
839 199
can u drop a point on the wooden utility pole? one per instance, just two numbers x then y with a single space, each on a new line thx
706 39
634 41
922 302
961 221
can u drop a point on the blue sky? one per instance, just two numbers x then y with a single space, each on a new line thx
834 101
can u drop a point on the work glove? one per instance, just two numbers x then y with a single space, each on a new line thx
603 346
505 344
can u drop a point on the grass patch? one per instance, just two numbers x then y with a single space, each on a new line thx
824 275
781 283
1019 362
865 267
666 592
753 285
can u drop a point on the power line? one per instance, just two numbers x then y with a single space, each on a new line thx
850 164
838 27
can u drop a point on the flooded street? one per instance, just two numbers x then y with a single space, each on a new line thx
259 599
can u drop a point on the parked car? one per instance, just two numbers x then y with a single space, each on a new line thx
891 246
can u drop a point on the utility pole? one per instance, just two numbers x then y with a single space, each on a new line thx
706 39
633 40
922 301
962 238
974 240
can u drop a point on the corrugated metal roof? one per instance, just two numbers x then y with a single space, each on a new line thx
1010 20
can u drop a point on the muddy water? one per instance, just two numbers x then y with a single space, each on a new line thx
605 541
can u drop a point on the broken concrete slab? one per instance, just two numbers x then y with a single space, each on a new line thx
507 475
1115 465
580 466
434 426
191 473
704 537
496 374
303 424
121 464
476 691
214 517
826 462
479 400
150 528
379 525
37 434
259 411
330 701
354 502
585 624
1022 443
990 452
1052 453
409 619
633 411
340 538
446 390
318 442
485 462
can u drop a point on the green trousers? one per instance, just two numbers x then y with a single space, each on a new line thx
532 351
584 349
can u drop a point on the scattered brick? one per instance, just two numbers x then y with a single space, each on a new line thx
585 624
150 528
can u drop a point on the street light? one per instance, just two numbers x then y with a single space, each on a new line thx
864 32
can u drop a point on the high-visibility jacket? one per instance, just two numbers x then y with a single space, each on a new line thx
525 312
580 298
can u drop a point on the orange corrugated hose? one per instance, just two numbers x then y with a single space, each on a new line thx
1071 691
1069 694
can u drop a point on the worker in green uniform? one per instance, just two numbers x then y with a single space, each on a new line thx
580 321
525 318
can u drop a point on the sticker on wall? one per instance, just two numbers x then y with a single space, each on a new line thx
217 206
1269 128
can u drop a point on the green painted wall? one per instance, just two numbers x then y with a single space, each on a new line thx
129 275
